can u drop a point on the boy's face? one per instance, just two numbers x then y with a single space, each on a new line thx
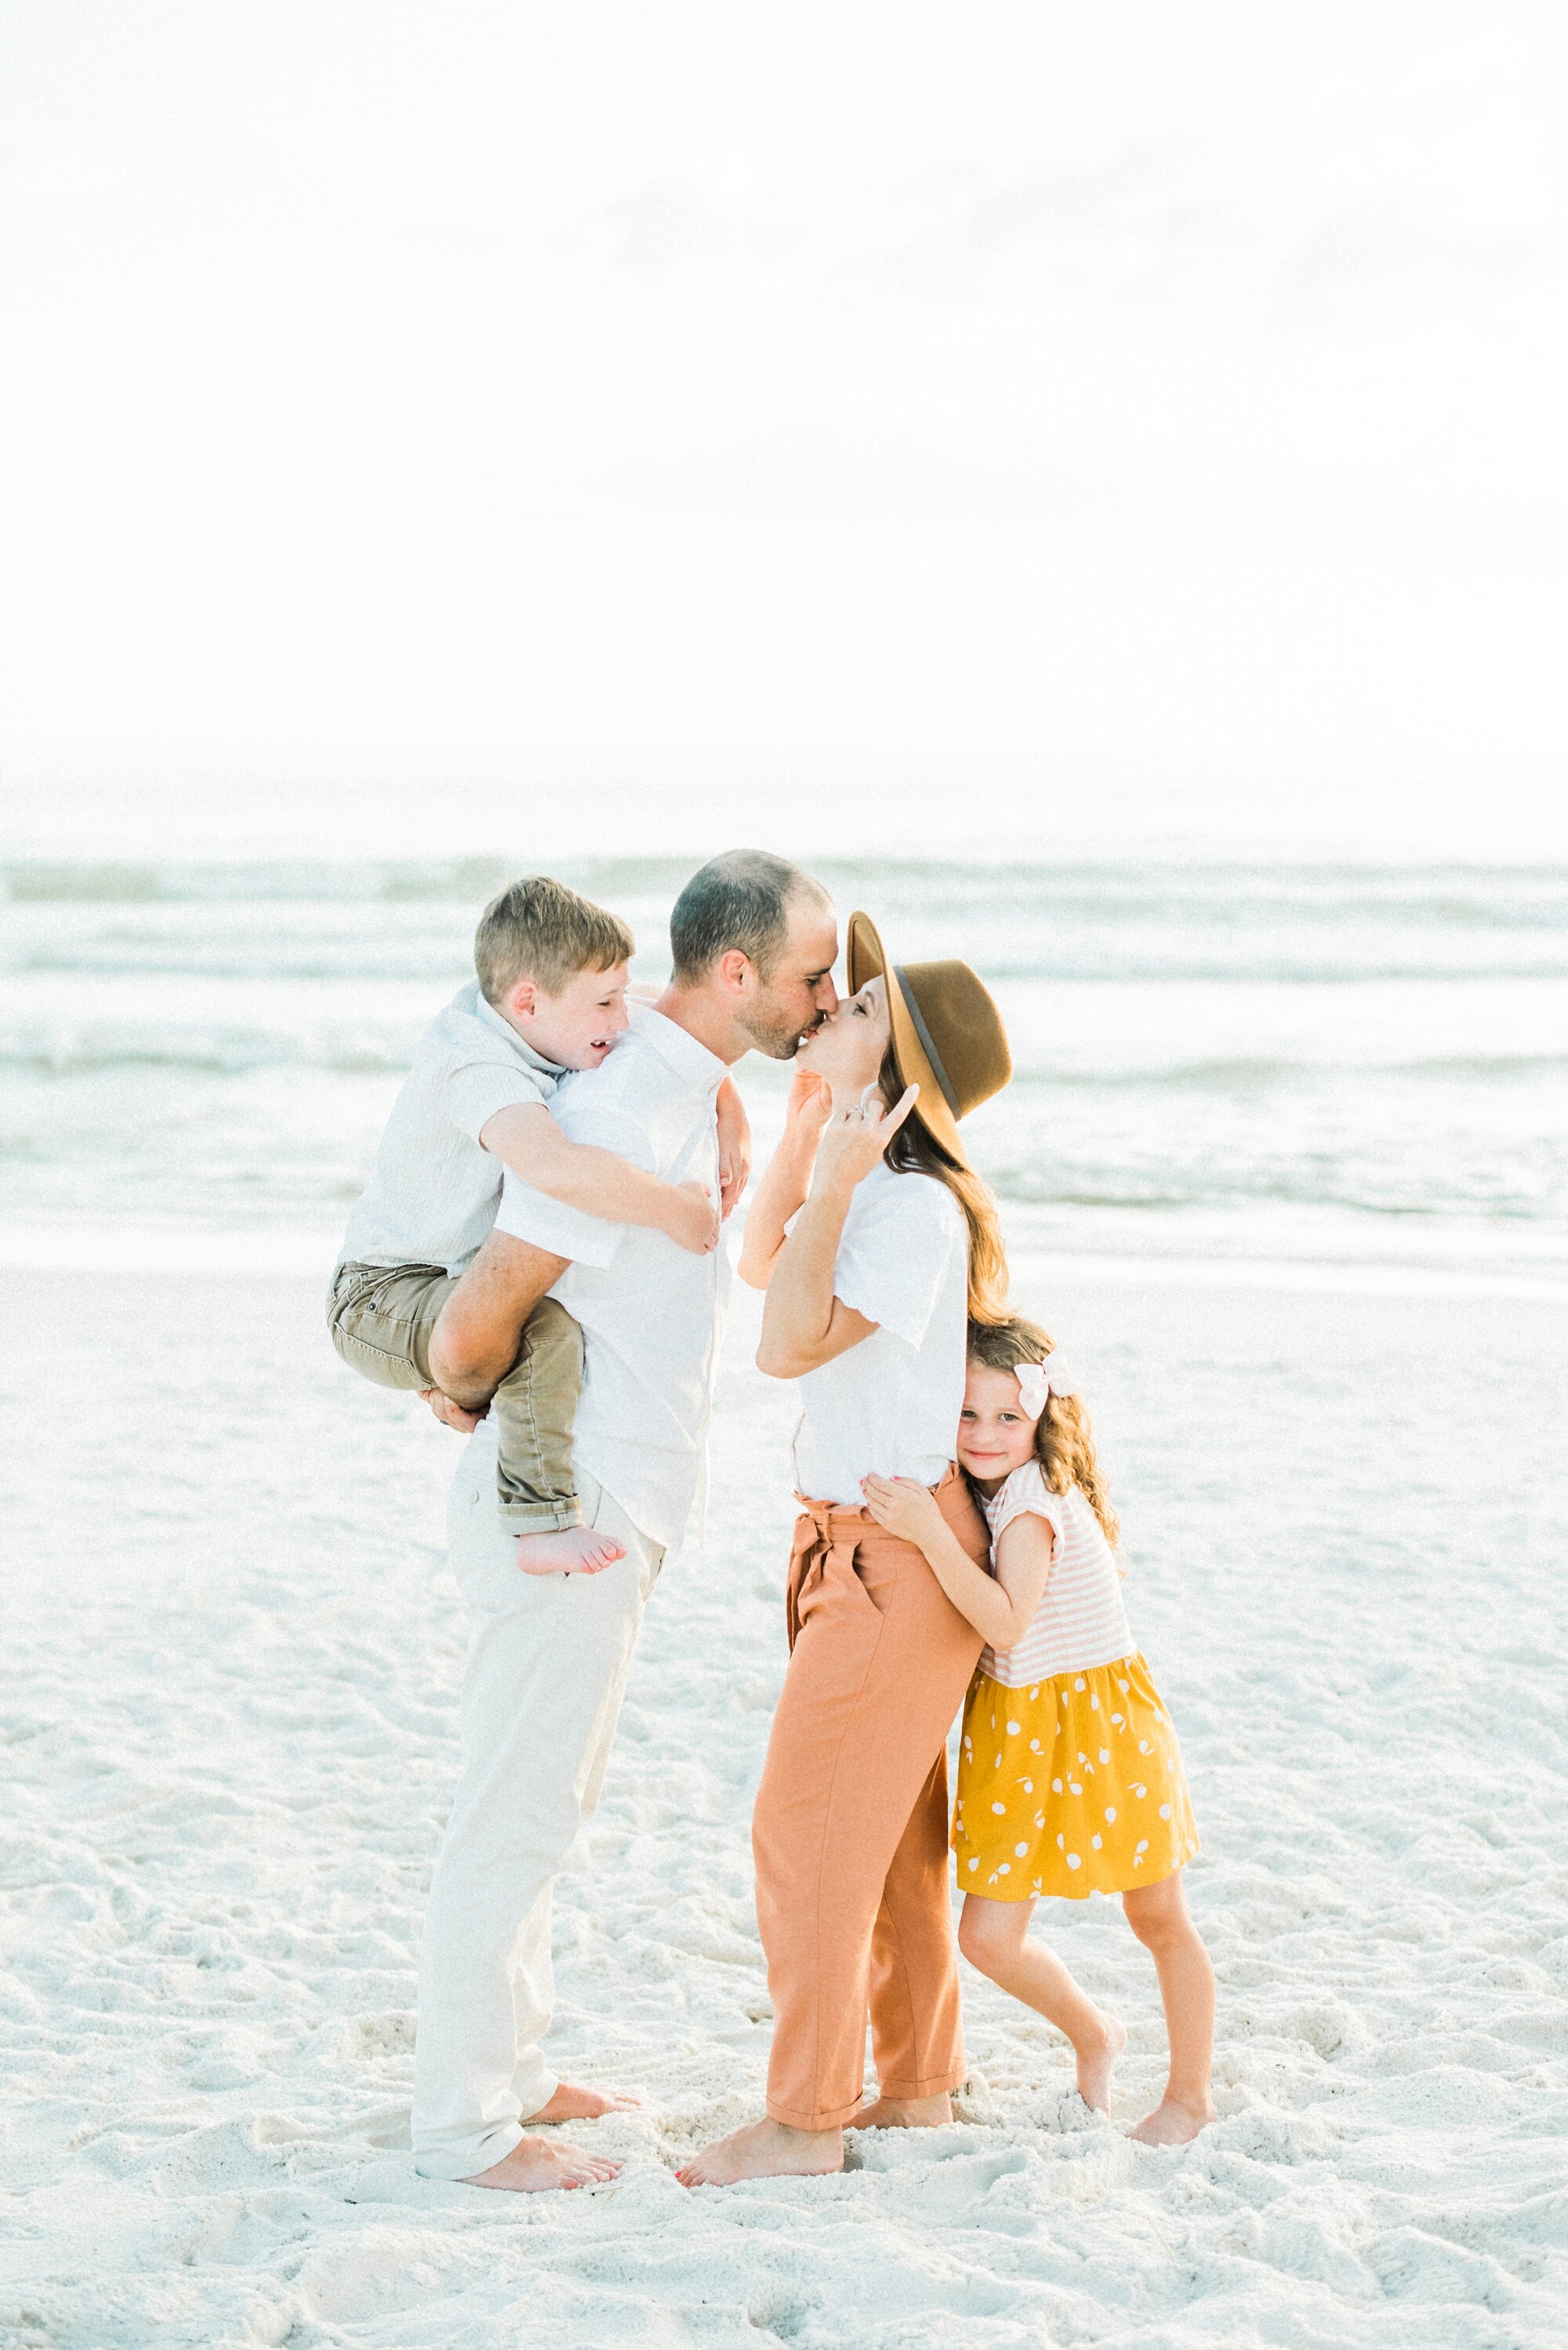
996 1435
577 1028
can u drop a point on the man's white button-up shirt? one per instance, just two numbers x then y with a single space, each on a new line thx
651 1312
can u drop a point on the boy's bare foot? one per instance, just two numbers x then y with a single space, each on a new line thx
570 2103
905 2112
533 2165
450 1414
1173 2123
1098 2062
568 1550
765 2151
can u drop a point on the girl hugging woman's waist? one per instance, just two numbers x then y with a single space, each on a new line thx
1070 1778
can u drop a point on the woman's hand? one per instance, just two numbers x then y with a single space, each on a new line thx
853 1141
809 1108
904 1508
785 1178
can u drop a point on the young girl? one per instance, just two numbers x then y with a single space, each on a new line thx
1069 1777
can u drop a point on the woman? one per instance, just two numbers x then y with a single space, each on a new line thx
870 1288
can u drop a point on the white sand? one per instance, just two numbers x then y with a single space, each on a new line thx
229 1734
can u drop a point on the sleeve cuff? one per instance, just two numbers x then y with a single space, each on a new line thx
901 1316
476 1093
1042 1504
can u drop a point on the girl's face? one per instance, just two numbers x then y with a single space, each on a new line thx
996 1435
848 1049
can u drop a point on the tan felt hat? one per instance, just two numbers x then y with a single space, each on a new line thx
947 1036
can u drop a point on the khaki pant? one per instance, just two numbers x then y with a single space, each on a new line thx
850 1830
381 1317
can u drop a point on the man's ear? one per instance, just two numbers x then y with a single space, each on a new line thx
524 1001
733 969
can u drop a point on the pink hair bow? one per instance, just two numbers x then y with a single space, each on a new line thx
1037 1381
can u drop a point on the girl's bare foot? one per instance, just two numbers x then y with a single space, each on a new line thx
765 2151
905 2112
534 2165
570 2103
1173 2123
1096 2062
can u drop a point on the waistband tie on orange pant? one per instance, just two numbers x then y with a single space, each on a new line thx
827 1534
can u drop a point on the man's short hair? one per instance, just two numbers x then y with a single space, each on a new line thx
740 899
539 929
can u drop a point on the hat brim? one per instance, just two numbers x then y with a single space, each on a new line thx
865 958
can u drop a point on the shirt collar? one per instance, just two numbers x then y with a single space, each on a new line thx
520 1044
703 1070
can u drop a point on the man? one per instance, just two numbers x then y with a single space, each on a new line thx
754 942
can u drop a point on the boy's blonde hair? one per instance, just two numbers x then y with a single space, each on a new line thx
1064 1442
539 929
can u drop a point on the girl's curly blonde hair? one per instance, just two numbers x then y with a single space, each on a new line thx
1064 1441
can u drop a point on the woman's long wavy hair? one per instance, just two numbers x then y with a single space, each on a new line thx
1064 1441
915 1149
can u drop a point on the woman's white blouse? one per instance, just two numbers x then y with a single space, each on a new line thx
890 1406
1080 1620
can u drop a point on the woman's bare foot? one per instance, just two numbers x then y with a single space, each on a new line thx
1172 2123
534 2165
905 2112
1096 2062
568 1550
765 2151
570 2103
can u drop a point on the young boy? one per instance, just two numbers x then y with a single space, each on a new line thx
550 997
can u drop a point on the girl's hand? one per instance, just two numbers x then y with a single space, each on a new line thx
904 1508
853 1141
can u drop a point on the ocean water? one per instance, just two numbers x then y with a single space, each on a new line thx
1308 1063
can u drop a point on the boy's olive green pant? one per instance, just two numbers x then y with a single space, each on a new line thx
381 1317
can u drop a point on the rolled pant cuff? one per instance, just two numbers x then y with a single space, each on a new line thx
538 2097
540 1517
457 2165
823 2117
938 2084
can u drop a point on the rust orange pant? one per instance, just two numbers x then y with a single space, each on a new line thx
850 1830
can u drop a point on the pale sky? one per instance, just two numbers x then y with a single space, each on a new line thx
398 396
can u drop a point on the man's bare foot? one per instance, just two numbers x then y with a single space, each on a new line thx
570 2103
765 2151
1173 2123
535 2164
570 1550
1098 2062
450 1414
905 2112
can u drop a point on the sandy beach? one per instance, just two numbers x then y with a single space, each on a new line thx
230 1740
1091 488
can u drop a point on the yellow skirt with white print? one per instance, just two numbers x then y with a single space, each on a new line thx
1070 1787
